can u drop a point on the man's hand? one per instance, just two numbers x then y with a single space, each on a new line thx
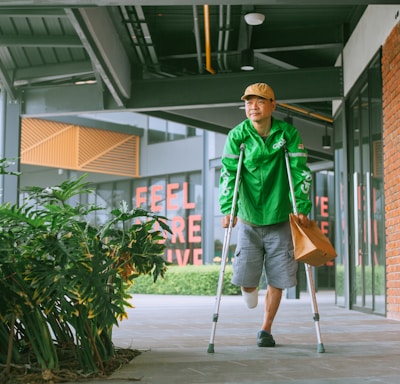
226 220
304 220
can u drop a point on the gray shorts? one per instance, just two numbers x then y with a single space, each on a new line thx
270 247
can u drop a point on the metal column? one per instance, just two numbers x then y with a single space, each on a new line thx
10 134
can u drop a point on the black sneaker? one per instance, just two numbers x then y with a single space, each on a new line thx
264 339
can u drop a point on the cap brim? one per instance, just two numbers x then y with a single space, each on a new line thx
244 97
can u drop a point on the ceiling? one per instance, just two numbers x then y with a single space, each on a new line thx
178 59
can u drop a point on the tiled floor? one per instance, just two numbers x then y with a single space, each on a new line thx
173 334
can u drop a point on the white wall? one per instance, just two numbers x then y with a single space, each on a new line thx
33 175
172 157
369 35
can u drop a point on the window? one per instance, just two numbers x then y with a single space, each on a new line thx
161 130
176 131
157 130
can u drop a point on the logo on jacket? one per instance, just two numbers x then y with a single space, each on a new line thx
225 181
279 144
307 178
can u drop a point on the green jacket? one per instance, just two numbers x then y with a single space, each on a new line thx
264 193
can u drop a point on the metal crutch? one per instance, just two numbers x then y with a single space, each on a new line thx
310 280
225 248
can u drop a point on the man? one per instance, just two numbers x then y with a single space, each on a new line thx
264 202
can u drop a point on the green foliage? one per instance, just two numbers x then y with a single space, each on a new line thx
4 164
188 280
66 283
378 273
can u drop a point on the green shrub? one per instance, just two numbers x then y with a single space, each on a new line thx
379 276
64 282
189 280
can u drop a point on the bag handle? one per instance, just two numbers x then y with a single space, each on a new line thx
289 173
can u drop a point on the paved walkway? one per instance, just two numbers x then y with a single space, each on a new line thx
173 334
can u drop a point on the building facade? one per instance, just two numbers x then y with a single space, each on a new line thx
356 199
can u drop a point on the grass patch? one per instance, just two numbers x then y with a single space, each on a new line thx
199 280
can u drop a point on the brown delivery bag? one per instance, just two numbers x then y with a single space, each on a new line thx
311 246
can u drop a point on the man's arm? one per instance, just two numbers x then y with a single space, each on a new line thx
230 161
301 174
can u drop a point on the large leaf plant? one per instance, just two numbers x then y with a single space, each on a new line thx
64 282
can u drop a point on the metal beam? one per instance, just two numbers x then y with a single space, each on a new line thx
39 74
102 44
40 41
302 47
88 3
300 85
294 86
272 60
64 100
30 12
6 82
109 48
320 155
189 121
11 131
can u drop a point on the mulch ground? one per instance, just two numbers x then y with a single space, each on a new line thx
69 371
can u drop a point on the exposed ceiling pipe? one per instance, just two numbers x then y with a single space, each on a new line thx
207 38
197 39
227 33
305 112
221 33
223 37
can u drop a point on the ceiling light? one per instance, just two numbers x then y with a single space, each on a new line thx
254 18
247 60
326 142
85 82
326 139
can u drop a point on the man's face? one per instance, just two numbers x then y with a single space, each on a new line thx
258 108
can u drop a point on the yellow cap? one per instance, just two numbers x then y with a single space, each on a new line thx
259 89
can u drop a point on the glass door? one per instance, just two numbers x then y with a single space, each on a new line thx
361 231
366 224
341 212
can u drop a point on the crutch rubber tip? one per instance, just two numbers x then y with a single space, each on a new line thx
210 348
321 348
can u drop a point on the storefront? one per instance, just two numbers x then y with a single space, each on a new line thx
360 225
